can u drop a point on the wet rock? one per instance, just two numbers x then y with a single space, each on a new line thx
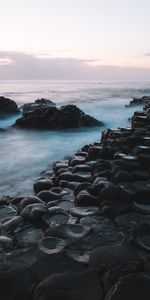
37 105
81 212
68 116
34 212
51 245
75 231
139 236
99 224
70 285
55 216
123 176
42 184
47 196
11 225
133 286
8 107
80 187
28 235
131 220
86 199
143 208
6 243
6 212
27 201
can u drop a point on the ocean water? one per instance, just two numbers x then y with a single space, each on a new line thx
24 154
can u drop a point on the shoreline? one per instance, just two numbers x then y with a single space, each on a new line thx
86 232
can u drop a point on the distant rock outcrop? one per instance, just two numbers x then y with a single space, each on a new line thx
138 101
45 115
8 107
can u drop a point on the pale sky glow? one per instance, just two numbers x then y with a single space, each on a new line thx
110 32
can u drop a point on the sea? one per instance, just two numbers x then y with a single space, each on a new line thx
25 154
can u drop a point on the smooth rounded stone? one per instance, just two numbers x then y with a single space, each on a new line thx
67 176
61 171
57 190
11 225
43 184
60 165
81 153
27 201
70 286
131 220
15 201
130 287
81 168
86 199
6 212
75 231
82 177
47 196
6 243
77 160
29 235
143 208
112 191
34 212
56 216
83 211
80 187
51 245
99 224
72 185
66 205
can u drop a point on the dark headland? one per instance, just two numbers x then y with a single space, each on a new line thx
85 232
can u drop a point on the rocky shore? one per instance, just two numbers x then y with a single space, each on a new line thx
85 233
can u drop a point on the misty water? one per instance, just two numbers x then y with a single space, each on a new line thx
24 154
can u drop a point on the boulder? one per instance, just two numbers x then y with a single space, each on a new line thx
37 104
8 107
45 117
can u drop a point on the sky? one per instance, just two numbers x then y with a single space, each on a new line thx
60 39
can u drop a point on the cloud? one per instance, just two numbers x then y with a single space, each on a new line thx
16 65
147 54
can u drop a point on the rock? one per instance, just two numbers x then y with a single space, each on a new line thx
81 212
48 196
68 116
27 201
34 212
131 220
41 185
37 105
86 199
70 286
123 176
6 243
51 245
11 225
6 212
55 216
133 286
139 236
74 231
8 107
28 235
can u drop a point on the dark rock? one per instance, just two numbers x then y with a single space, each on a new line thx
85 199
123 176
51 245
8 107
70 286
38 104
28 235
41 185
47 196
68 116
133 286
81 212
6 243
